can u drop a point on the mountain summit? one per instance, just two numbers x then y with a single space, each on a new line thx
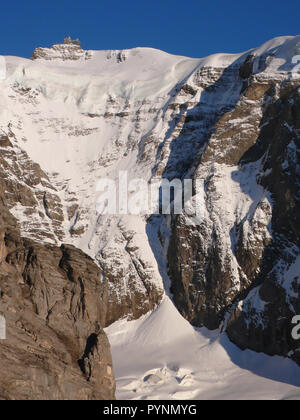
69 50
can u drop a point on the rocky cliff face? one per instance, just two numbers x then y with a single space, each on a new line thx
239 267
53 301
70 118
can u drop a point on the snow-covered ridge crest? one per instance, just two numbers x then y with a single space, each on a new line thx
109 113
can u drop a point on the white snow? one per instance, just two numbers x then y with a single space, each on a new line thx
160 356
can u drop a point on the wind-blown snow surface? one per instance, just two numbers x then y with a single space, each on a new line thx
88 119
161 356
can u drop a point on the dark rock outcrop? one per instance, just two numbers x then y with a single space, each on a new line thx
232 268
53 301
269 330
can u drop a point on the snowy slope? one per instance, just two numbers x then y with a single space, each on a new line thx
162 357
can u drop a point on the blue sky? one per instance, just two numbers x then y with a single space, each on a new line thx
187 27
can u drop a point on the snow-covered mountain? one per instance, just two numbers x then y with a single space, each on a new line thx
70 118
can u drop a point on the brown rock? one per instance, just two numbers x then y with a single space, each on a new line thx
53 301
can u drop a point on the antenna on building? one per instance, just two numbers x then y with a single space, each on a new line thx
69 40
